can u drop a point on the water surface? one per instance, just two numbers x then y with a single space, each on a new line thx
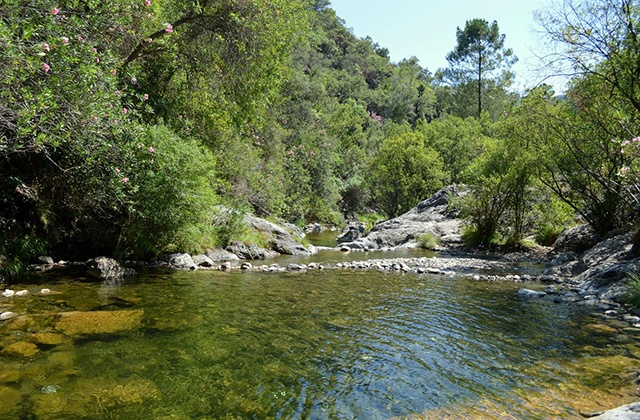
320 345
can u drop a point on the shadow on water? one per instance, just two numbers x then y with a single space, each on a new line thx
322 344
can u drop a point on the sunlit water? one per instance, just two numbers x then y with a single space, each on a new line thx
316 345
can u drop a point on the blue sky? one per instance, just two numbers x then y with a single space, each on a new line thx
427 28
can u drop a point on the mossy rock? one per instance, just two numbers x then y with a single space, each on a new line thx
9 376
99 322
21 349
47 339
9 402
91 398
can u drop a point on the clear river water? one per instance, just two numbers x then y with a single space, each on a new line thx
331 344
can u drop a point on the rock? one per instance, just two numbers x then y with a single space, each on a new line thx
45 291
528 294
107 269
45 260
220 255
8 293
625 412
432 216
246 266
202 261
47 339
22 293
99 322
250 252
351 235
10 400
577 239
182 261
7 315
226 266
21 349
280 240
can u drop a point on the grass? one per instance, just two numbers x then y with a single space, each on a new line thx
632 295
428 241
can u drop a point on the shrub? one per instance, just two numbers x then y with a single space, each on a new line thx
632 295
170 197
428 241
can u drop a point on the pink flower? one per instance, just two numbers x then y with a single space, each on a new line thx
169 28
125 180
65 40
97 59
150 40
95 119
81 39
46 47
624 170
147 3
55 11
636 139
125 110
46 68
117 170
146 96
114 71
94 49
151 149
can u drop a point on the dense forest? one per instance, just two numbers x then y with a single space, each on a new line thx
125 125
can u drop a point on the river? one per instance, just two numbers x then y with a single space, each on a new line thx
313 345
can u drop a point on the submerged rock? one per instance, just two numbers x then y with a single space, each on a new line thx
99 322
20 349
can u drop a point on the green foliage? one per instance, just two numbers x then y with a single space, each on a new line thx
21 252
169 194
428 241
632 295
405 172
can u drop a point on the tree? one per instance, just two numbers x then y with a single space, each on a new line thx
478 58
405 172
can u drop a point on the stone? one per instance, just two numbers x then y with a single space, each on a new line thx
625 412
10 400
182 261
107 269
47 339
221 255
7 315
576 239
350 235
99 322
246 266
528 293
45 260
433 216
20 349
202 261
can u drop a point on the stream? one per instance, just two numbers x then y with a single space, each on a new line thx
325 344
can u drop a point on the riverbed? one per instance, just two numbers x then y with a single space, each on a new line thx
316 344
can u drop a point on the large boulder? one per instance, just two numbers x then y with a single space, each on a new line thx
625 412
576 239
221 255
433 216
99 322
278 237
182 261
105 268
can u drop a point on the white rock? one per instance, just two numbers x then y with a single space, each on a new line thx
7 315
45 291
8 293
22 293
